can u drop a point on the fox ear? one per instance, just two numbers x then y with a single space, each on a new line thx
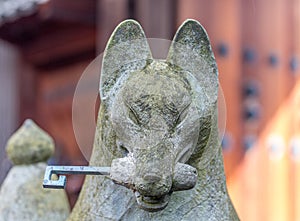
191 50
127 50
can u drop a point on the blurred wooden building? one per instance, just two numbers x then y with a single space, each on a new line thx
47 44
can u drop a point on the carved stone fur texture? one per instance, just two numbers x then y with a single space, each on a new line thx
158 120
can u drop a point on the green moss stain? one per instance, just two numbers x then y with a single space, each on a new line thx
29 144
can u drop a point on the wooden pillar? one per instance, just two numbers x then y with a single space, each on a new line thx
9 102
157 17
222 22
109 14
225 35
27 93
194 9
266 48
294 142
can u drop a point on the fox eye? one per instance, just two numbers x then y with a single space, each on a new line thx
183 115
122 148
132 116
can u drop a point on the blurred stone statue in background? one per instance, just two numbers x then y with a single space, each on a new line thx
22 197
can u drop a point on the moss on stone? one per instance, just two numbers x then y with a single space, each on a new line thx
29 144
22 196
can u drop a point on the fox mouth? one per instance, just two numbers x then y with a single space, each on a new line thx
152 203
123 173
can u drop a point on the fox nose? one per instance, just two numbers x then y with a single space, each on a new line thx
152 177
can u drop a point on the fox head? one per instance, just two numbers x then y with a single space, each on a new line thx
161 113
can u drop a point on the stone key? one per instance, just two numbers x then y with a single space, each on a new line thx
65 170
120 172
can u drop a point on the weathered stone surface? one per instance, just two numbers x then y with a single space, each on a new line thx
22 197
29 144
123 172
155 117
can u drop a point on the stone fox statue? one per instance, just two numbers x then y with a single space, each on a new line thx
157 129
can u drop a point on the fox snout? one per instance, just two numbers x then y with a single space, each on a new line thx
154 169
152 182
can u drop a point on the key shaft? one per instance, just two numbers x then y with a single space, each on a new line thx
61 171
